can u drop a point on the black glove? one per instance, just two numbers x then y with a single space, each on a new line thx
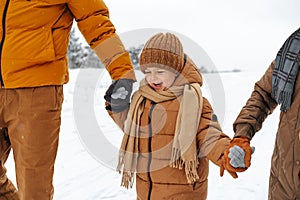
118 95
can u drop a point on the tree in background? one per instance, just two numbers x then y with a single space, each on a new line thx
80 56
91 60
76 54
134 53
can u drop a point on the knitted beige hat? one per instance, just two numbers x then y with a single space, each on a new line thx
164 51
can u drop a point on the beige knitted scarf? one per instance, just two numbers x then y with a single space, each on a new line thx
184 149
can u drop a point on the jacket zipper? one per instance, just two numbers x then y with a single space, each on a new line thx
150 149
3 38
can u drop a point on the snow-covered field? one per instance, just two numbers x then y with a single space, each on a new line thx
83 172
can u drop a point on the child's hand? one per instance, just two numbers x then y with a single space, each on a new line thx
223 167
118 95
237 157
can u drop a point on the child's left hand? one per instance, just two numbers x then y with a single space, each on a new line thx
237 157
223 167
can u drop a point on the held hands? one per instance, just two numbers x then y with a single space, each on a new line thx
237 157
118 95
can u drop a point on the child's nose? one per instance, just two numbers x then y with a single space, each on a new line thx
153 78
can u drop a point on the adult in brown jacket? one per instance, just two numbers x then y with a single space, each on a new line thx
279 85
34 41
171 132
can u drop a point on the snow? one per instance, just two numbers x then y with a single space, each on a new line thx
86 159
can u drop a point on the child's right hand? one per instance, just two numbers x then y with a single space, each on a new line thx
118 95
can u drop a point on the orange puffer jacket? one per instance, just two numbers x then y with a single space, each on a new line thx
34 40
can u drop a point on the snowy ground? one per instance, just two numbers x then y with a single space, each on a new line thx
81 175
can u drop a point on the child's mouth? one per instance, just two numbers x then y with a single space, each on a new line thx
157 86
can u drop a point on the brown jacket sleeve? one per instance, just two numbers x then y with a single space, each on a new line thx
119 117
258 107
211 140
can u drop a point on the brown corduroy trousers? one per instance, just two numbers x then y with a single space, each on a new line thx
30 120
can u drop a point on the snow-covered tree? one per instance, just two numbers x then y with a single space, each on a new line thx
76 54
134 53
92 60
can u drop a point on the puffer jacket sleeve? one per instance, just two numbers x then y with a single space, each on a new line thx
119 117
93 21
210 138
257 108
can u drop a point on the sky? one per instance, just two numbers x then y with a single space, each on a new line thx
234 34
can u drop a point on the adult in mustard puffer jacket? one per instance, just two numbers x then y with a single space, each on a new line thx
34 40
171 132
279 85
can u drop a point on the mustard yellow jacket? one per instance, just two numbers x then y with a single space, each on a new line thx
34 40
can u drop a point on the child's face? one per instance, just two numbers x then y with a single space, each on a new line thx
159 79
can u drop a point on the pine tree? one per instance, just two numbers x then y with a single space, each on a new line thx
76 54
92 60
134 53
